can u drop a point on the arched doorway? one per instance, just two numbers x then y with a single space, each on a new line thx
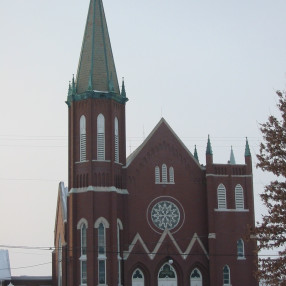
196 278
167 276
137 278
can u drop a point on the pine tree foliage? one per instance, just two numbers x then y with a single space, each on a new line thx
271 233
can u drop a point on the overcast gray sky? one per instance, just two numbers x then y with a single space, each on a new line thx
208 67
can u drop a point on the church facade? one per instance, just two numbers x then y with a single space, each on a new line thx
158 217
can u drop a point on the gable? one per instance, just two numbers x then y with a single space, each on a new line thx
163 137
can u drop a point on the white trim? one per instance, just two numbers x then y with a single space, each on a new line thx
214 175
152 254
108 161
212 235
119 222
225 176
232 210
102 220
82 221
98 189
79 162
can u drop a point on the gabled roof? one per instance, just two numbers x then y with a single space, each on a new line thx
96 68
5 271
133 155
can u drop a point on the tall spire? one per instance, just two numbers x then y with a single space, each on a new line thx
96 68
247 149
232 159
209 150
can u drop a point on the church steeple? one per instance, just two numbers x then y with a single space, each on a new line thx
96 68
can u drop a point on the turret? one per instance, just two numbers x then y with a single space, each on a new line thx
247 157
209 153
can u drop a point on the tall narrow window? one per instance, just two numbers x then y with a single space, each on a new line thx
171 175
60 258
226 276
100 138
137 278
240 249
239 198
221 197
116 140
164 173
157 175
83 255
82 150
101 254
118 254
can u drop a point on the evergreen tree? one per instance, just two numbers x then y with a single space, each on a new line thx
271 233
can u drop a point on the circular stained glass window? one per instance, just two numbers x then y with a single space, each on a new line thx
165 215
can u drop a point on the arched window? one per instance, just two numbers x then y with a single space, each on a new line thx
164 173
226 276
157 175
101 254
83 254
167 275
82 149
240 249
60 258
171 175
196 278
116 140
239 197
100 138
221 197
137 278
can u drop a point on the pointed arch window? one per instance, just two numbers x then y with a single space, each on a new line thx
137 278
226 276
82 139
116 140
119 227
157 175
171 175
240 249
83 263
221 197
167 275
196 278
164 174
101 254
100 137
239 197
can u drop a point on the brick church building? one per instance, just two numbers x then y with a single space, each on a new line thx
157 217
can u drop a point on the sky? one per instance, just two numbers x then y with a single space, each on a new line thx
207 67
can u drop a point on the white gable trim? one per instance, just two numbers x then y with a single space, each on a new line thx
133 155
152 254
98 189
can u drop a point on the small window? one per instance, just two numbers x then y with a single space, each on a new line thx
240 249
101 254
83 239
82 139
239 197
164 174
226 276
137 278
157 175
100 138
116 140
171 175
83 273
221 196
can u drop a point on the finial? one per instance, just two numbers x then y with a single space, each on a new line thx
209 150
70 89
123 92
73 85
247 149
196 153
232 159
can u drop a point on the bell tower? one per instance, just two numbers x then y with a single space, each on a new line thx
97 154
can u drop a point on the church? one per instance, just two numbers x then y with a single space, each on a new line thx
157 217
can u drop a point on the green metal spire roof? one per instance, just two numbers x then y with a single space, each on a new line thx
123 91
247 149
209 150
196 153
96 69
232 159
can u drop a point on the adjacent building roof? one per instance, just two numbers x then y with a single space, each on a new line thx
96 69
5 271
